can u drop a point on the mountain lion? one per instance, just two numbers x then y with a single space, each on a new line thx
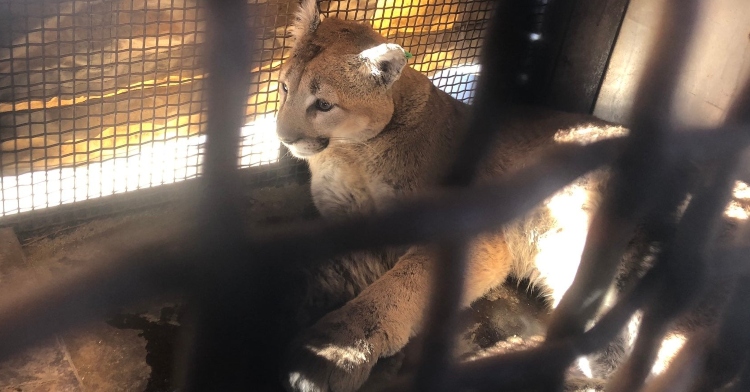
373 131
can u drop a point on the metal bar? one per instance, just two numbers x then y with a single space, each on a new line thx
435 370
424 219
498 85
32 312
209 363
684 369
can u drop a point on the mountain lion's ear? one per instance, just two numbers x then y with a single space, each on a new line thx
383 62
306 19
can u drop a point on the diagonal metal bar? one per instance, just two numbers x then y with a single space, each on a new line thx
684 273
73 299
684 368
158 267
636 175
467 211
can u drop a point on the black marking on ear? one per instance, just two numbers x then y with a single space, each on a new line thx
384 67
381 79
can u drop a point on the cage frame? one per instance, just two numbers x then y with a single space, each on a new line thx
216 258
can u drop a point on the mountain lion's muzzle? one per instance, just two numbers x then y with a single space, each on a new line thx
304 147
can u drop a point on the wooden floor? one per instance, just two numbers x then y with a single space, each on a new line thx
131 350
99 357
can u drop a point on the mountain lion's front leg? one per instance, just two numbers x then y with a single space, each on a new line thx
338 352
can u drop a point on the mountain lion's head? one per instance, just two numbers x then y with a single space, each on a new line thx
336 85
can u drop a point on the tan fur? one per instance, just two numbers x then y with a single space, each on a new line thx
390 134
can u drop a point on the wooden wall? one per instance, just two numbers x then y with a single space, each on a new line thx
719 62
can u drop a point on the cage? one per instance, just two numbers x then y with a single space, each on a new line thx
102 98
104 110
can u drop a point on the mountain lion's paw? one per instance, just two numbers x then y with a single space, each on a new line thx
330 356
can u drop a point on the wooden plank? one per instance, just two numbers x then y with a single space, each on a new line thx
718 63
44 368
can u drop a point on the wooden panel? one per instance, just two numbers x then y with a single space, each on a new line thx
718 65
585 50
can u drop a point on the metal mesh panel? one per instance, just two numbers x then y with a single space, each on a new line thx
104 97
98 98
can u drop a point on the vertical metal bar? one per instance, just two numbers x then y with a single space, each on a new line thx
498 86
214 362
28 116
438 345
229 50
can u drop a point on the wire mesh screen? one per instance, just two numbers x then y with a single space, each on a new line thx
104 97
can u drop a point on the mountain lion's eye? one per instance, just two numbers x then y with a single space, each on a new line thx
323 106
284 87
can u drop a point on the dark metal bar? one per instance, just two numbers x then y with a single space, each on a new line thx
211 364
424 219
467 211
230 47
498 86
434 373
631 375
684 369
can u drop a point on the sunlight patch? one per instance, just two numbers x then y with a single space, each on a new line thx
147 165
458 81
